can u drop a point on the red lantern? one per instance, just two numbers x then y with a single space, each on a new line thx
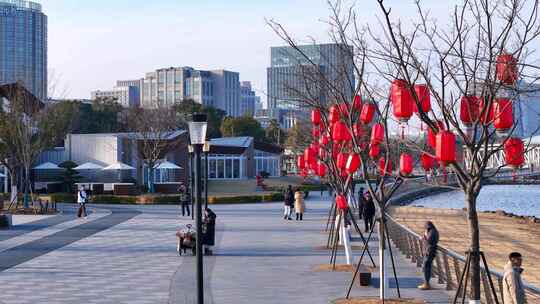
324 140
304 173
402 100
321 169
422 92
339 131
514 152
322 153
310 156
341 160
406 164
343 109
383 165
506 68
468 113
368 111
357 103
377 134
431 134
316 132
301 162
353 163
316 117
341 202
374 151
336 148
445 150
333 115
358 130
485 115
428 162
503 114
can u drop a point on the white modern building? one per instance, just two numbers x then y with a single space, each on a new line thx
127 96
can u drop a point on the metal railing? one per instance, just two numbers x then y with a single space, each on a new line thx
448 265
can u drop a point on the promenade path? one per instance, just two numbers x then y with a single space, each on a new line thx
126 254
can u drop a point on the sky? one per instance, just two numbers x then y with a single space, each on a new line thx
93 43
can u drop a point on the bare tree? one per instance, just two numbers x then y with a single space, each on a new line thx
153 130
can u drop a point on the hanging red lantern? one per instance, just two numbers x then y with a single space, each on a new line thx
324 140
485 115
468 110
428 162
377 134
341 160
368 111
333 114
431 134
310 156
405 164
506 68
383 165
445 150
339 131
402 100
321 169
353 163
374 151
422 92
316 117
358 130
343 109
514 152
341 202
503 114
322 153
357 103
301 162
336 148
303 173
316 132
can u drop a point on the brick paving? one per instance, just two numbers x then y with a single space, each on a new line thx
260 258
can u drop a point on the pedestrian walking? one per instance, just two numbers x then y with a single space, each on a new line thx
360 202
288 202
82 199
430 239
184 200
513 291
368 212
299 205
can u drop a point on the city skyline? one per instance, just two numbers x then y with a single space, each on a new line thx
84 56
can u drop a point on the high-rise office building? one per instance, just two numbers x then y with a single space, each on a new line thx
248 99
327 74
127 96
23 45
165 87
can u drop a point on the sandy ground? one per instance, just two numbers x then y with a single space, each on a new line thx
499 235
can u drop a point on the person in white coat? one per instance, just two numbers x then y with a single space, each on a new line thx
513 290
82 198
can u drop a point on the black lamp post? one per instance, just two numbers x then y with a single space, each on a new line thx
197 134
191 180
206 150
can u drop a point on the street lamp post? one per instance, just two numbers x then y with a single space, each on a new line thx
206 150
197 134
191 180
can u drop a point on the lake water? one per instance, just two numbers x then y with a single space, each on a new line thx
517 199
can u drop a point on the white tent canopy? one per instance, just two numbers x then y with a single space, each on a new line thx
47 166
167 165
119 166
88 166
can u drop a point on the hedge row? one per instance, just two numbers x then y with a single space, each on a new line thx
163 199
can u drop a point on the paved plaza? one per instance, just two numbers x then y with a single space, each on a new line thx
127 254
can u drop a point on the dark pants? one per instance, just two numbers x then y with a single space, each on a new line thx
185 207
368 223
299 216
426 267
82 210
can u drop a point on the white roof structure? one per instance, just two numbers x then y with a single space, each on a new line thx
119 166
47 166
89 166
244 141
167 165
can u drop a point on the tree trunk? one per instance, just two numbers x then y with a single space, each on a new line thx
26 186
383 274
151 179
474 234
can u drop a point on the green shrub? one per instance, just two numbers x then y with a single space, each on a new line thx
60 198
113 199
269 197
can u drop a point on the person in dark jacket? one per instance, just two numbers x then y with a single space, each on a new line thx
368 211
184 199
209 230
288 203
360 202
430 240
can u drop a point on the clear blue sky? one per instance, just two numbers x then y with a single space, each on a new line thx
94 43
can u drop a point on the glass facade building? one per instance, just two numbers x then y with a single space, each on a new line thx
23 45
